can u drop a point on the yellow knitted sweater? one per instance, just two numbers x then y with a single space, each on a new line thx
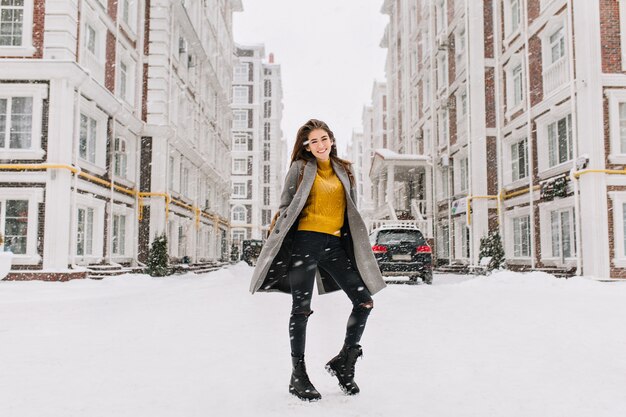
326 204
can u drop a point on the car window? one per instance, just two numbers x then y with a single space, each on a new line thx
389 237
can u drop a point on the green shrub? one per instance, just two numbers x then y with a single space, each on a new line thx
491 247
158 260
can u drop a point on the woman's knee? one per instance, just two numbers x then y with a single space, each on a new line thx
365 306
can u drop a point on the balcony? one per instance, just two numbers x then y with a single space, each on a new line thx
95 67
555 76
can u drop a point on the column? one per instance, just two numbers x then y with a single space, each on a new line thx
57 231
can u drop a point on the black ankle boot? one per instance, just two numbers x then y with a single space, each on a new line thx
300 384
342 366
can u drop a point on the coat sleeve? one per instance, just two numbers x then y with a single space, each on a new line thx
289 188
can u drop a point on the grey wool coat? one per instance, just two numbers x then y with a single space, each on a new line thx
271 271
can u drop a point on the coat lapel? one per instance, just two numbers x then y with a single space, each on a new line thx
310 170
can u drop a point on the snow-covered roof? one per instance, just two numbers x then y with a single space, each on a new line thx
389 154
385 157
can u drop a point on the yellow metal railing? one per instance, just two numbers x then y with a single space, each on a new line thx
479 197
198 212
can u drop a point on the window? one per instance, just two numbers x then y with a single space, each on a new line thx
239 190
171 173
12 22
427 142
15 226
266 152
426 95
518 90
87 140
16 122
463 106
184 180
464 175
267 132
462 242
622 127
267 87
617 125
266 217
461 111
182 241
241 73
515 15
444 190
240 142
127 10
125 7
519 160
441 15
623 230
557 46
563 237
240 166
459 46
266 174
521 237
239 214
120 162
553 51
266 196
240 95
126 67
240 119
442 71
84 241
560 141
512 17
119 234
443 128
238 236
91 39
123 80
267 109
443 242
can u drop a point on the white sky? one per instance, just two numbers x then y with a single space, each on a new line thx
329 55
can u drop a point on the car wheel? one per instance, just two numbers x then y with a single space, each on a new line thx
427 277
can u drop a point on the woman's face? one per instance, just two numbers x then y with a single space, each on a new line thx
319 144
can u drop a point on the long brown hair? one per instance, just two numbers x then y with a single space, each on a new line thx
299 148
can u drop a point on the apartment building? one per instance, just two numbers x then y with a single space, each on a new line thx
374 123
188 118
258 147
520 136
88 129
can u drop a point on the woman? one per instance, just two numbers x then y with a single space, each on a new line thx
319 236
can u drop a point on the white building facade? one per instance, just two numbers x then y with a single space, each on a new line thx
84 141
258 146
520 137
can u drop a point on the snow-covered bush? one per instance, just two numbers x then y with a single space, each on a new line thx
158 261
491 247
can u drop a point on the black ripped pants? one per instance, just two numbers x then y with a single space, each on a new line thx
313 249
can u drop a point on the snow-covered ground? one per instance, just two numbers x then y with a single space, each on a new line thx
506 345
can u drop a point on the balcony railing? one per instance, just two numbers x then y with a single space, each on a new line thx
555 76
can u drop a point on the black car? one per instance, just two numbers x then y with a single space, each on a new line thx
402 251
